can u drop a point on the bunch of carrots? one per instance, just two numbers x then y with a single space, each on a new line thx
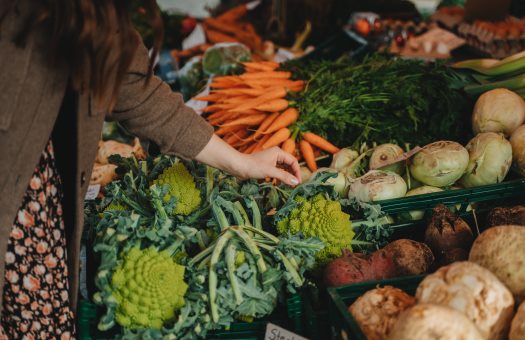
251 113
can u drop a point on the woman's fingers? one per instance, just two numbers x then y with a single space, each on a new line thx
283 176
290 161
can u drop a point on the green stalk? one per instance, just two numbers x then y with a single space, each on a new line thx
256 213
230 264
220 217
230 207
209 180
243 213
212 278
252 247
515 83
263 233
290 268
200 256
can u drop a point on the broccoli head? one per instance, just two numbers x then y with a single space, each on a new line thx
322 218
181 186
148 287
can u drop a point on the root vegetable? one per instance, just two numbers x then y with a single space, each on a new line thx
427 321
498 110
350 268
504 216
343 158
502 251
440 164
409 257
517 140
399 258
447 234
377 185
475 292
377 310
383 156
517 328
490 158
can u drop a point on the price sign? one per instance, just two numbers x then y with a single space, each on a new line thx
274 332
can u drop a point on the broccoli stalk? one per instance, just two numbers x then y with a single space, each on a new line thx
230 264
212 279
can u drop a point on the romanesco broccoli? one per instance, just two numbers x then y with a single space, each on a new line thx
148 287
322 218
182 187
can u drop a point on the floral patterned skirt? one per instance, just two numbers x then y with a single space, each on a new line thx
36 299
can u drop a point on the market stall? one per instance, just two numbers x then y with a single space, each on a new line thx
410 218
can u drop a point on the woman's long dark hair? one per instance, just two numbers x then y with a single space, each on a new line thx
87 34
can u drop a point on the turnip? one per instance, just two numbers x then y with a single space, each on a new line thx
475 292
426 321
502 251
377 310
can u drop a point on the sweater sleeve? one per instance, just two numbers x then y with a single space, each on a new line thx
154 112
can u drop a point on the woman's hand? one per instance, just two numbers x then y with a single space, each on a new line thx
268 163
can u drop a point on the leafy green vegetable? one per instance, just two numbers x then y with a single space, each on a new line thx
182 187
148 287
322 218
380 100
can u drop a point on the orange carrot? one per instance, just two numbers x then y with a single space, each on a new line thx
216 37
320 142
266 75
237 136
286 83
286 119
225 129
259 66
259 144
265 124
277 93
273 106
240 91
289 146
277 138
250 120
308 154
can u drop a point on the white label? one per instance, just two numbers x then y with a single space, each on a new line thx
196 38
274 332
92 192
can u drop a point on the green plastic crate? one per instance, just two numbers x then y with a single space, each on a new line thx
463 197
343 325
290 317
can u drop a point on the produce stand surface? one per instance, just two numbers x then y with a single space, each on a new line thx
343 325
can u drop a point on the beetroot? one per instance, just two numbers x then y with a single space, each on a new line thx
399 258
350 268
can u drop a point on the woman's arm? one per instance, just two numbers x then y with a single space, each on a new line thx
267 163
154 112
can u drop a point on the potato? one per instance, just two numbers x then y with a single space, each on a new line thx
502 251
517 330
426 321
475 292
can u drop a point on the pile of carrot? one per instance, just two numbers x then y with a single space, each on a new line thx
227 27
251 113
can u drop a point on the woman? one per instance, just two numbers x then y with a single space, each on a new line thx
66 65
